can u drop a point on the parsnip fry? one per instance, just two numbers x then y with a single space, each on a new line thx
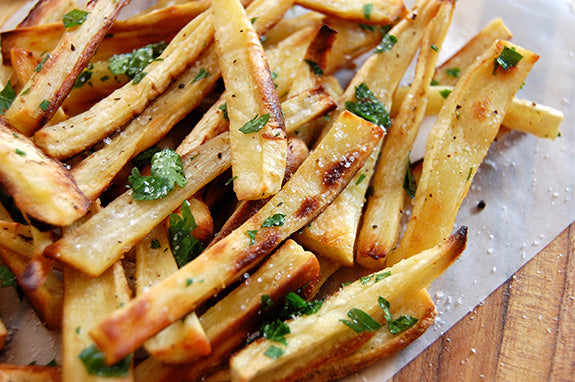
56 74
290 26
40 186
315 338
230 321
314 185
495 30
257 128
30 373
17 237
47 11
382 218
382 12
185 339
125 221
460 138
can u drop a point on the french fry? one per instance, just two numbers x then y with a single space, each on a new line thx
258 154
185 339
14 373
315 338
54 77
126 221
314 185
333 233
17 237
382 218
47 11
368 12
470 118
493 31
8 8
290 26
40 186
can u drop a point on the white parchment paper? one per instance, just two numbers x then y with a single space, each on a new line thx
526 183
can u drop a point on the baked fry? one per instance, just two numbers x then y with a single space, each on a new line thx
368 12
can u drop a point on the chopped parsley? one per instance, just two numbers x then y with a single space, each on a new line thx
453 72
84 77
143 158
409 184
277 220
266 302
184 245
132 64
41 64
507 59
360 321
252 235
166 171
7 96
315 68
368 107
155 244
74 17
399 324
203 73
7 278
95 363
360 178
365 279
45 105
445 93
367 8
231 180
434 47
295 305
274 352
367 27
469 174
20 152
381 276
387 42
276 331
434 82
189 281
78 329
224 108
255 124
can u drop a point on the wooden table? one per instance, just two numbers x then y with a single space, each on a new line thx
524 331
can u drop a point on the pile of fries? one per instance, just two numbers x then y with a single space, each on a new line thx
178 186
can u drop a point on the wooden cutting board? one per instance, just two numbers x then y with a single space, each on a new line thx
524 331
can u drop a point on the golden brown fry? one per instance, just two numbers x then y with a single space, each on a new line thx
259 153
382 12
474 48
318 337
14 373
54 77
460 138
47 11
290 26
40 186
314 185
16 237
125 221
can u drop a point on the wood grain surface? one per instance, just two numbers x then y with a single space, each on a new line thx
524 331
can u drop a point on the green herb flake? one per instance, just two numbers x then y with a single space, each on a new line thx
399 324
274 352
78 329
166 171
277 220
155 244
365 279
41 64
252 235
132 64
104 78
255 124
224 108
507 59
203 73
7 96
95 363
315 68
445 93
52 363
360 179
7 278
295 305
231 180
360 321
381 276
409 184
367 8
253 20
469 174
45 105
189 281
434 47
266 302
367 27
368 107
138 77
276 331
74 17
184 245
20 152
453 72
434 82
387 42
84 77
346 283
143 158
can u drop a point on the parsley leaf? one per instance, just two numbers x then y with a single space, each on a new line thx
41 64
507 59
84 77
184 245
387 42
368 107
295 305
453 72
276 331
255 124
316 69
252 233
445 93
224 108
7 278
95 363
45 105
132 64
20 152
166 170
7 96
381 276
143 158
398 325
274 352
74 17
266 302
277 220
367 8
155 244
203 73
360 178
409 184
361 321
